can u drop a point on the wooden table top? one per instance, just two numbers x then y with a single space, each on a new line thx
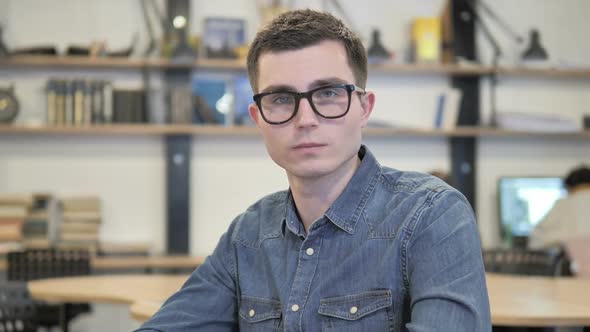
132 262
514 300
539 301
107 288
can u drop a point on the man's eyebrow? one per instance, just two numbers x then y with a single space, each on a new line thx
325 82
278 87
315 84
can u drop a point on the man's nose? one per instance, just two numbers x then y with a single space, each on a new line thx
305 115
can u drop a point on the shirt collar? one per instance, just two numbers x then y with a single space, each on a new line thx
346 210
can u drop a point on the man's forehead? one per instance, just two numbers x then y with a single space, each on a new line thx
302 67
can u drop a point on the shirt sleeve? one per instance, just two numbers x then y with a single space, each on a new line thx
445 271
547 231
207 300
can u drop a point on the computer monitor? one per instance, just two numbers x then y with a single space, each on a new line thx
524 201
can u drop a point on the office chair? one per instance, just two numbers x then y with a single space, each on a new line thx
544 262
549 262
17 309
50 263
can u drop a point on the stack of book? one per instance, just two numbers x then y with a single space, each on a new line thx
37 225
80 226
14 209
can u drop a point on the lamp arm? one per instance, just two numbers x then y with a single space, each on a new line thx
486 31
501 22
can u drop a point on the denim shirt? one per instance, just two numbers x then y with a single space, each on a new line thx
397 251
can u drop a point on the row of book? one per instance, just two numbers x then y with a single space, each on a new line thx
77 102
39 220
208 99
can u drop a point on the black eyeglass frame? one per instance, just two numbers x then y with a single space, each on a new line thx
307 95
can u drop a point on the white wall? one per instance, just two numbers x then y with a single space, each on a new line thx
228 174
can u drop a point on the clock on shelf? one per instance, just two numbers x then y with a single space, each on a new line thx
8 105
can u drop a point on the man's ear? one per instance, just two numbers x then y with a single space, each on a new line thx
367 104
254 114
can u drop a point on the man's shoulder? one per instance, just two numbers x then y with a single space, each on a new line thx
261 220
411 182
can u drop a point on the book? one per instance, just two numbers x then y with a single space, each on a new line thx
16 199
426 39
13 211
81 216
448 106
79 236
81 203
80 227
11 231
222 36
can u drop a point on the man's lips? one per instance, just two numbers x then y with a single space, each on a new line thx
308 145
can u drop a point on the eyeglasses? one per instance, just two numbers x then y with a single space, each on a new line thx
330 102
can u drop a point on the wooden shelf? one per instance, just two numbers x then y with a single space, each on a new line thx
212 130
118 63
545 73
443 69
132 129
240 65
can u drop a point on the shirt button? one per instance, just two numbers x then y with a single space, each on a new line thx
294 308
309 251
353 310
251 313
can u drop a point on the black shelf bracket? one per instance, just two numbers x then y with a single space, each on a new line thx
464 149
178 156
178 165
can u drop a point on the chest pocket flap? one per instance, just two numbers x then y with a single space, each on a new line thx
353 307
255 309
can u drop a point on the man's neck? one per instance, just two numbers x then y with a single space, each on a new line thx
580 187
314 196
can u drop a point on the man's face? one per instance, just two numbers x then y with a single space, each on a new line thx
309 146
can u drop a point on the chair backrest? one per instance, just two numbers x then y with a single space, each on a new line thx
545 262
17 309
47 263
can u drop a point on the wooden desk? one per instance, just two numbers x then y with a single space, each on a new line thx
144 310
514 300
107 288
539 301
146 262
125 289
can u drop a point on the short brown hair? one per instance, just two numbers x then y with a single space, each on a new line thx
298 29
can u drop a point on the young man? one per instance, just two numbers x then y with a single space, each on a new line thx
568 218
352 245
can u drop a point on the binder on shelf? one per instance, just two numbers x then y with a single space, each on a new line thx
180 105
448 106
128 106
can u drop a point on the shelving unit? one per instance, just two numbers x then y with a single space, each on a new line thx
178 138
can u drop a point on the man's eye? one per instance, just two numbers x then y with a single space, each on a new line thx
282 99
329 93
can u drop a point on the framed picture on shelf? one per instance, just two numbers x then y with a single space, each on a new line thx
221 37
220 98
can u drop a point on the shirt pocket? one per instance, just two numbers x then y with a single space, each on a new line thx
367 311
259 314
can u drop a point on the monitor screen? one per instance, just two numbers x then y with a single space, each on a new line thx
524 201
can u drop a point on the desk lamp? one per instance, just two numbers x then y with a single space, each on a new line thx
474 5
